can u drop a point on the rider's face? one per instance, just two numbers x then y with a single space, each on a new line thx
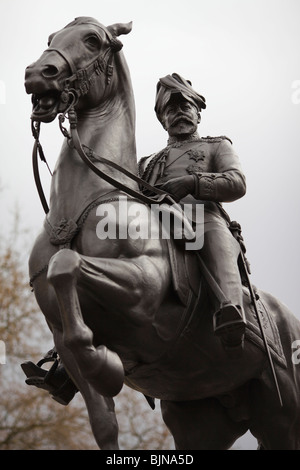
181 117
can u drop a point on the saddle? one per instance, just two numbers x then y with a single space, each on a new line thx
187 268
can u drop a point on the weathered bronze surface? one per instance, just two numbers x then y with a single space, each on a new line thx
139 310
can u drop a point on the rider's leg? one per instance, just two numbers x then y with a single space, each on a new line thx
220 253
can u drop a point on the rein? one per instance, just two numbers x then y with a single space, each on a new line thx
160 196
38 150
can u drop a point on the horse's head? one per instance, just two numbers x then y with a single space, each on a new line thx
66 72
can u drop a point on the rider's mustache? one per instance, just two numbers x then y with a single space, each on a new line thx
181 117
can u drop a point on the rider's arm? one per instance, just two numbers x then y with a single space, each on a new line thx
227 182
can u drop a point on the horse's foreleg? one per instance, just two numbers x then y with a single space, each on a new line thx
101 409
99 366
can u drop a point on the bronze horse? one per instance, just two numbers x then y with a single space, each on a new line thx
138 311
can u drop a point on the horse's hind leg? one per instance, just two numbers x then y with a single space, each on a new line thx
201 425
101 367
276 427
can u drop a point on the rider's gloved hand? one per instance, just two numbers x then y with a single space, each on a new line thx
179 187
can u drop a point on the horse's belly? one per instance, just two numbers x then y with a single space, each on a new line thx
196 368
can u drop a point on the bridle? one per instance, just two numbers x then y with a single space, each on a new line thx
78 84
75 86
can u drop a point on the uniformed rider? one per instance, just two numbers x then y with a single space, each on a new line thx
202 170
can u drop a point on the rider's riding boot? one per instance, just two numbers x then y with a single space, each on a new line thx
55 380
230 325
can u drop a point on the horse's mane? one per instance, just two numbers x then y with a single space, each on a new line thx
78 21
84 20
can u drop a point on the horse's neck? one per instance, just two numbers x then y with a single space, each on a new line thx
109 131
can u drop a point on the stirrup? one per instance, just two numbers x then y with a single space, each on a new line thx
55 380
230 326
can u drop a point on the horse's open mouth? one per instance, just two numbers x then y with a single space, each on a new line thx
45 106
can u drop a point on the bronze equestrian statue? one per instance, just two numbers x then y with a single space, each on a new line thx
140 311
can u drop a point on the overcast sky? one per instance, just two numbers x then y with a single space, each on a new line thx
242 55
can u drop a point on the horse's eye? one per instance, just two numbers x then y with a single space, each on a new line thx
92 42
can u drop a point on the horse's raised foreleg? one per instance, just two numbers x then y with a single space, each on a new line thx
99 366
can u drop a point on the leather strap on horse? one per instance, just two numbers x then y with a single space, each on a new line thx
236 231
161 195
37 177
78 84
159 198
38 150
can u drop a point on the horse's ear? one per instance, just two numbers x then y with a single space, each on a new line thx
120 28
50 38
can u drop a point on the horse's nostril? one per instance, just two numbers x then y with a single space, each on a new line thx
50 71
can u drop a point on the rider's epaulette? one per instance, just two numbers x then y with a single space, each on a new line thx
214 140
